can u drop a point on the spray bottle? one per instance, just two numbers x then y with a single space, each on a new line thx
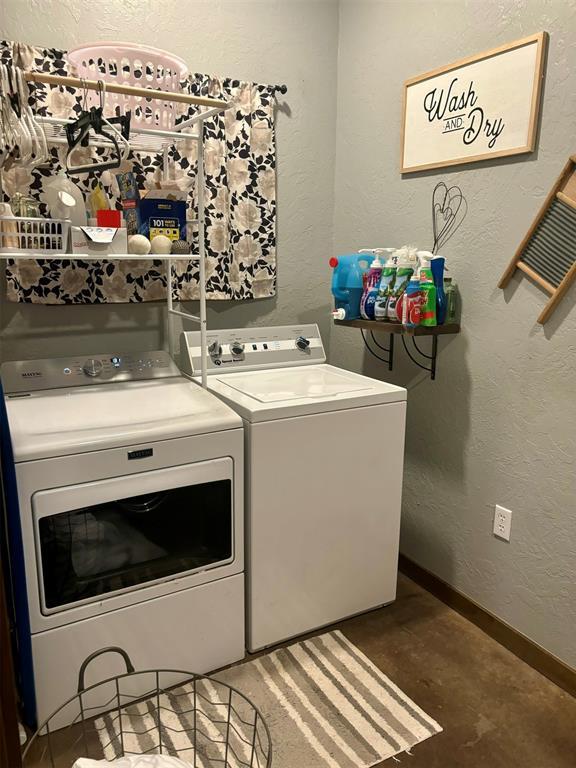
368 300
407 263
427 289
411 303
386 284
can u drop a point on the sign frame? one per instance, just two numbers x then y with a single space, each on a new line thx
540 40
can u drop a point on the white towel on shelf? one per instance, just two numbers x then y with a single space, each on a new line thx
133 761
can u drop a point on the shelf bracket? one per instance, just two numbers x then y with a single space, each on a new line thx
431 358
389 350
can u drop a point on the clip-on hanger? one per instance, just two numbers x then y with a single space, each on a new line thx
77 134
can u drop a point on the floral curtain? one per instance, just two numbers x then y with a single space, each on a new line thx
240 202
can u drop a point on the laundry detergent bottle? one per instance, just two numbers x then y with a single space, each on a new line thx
370 294
386 284
348 284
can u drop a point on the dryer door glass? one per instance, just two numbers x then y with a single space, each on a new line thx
92 551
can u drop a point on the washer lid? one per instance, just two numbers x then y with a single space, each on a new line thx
288 392
61 422
286 385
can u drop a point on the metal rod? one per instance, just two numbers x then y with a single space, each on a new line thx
195 118
186 315
175 135
158 711
391 352
194 724
83 725
202 254
434 353
120 718
128 90
228 727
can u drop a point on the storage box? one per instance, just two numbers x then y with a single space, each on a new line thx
161 216
99 241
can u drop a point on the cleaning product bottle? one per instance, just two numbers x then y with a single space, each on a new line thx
368 300
386 284
347 284
427 289
411 302
451 301
437 266
406 262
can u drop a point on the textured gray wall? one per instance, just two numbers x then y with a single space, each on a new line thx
499 423
292 42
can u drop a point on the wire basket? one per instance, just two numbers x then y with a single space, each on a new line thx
135 65
202 721
19 234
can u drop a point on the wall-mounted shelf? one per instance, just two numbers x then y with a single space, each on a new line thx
382 327
393 329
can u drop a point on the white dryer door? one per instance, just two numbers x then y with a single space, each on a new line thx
96 540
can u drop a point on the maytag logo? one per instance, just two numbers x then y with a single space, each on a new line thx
31 374
142 453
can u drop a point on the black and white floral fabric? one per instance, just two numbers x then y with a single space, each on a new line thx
240 201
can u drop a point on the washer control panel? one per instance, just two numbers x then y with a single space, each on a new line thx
55 373
250 349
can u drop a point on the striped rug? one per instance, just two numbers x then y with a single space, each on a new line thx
326 705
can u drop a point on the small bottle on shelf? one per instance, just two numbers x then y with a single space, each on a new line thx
451 291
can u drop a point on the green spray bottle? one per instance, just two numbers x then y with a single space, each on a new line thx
427 289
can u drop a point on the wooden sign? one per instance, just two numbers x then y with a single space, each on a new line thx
481 107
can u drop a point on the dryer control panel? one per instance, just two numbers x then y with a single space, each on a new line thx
33 375
252 349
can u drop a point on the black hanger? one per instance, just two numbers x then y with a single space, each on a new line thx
78 134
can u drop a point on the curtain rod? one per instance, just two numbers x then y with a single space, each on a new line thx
147 93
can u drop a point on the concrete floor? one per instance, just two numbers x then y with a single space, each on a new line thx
496 711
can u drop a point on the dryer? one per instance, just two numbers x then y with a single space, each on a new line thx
324 460
126 520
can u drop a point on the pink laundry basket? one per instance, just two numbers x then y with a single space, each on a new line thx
130 64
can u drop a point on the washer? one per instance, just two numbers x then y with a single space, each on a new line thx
324 462
125 520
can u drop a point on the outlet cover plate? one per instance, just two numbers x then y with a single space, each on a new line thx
502 522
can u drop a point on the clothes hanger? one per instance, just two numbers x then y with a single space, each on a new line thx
39 144
10 122
78 134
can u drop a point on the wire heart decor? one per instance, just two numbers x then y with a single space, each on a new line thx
449 209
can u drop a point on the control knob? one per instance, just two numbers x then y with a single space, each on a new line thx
237 348
302 343
214 349
93 367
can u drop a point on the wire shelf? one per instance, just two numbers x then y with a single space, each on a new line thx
147 140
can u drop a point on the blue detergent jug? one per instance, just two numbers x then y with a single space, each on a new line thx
348 284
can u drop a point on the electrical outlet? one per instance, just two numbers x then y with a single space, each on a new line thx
502 522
